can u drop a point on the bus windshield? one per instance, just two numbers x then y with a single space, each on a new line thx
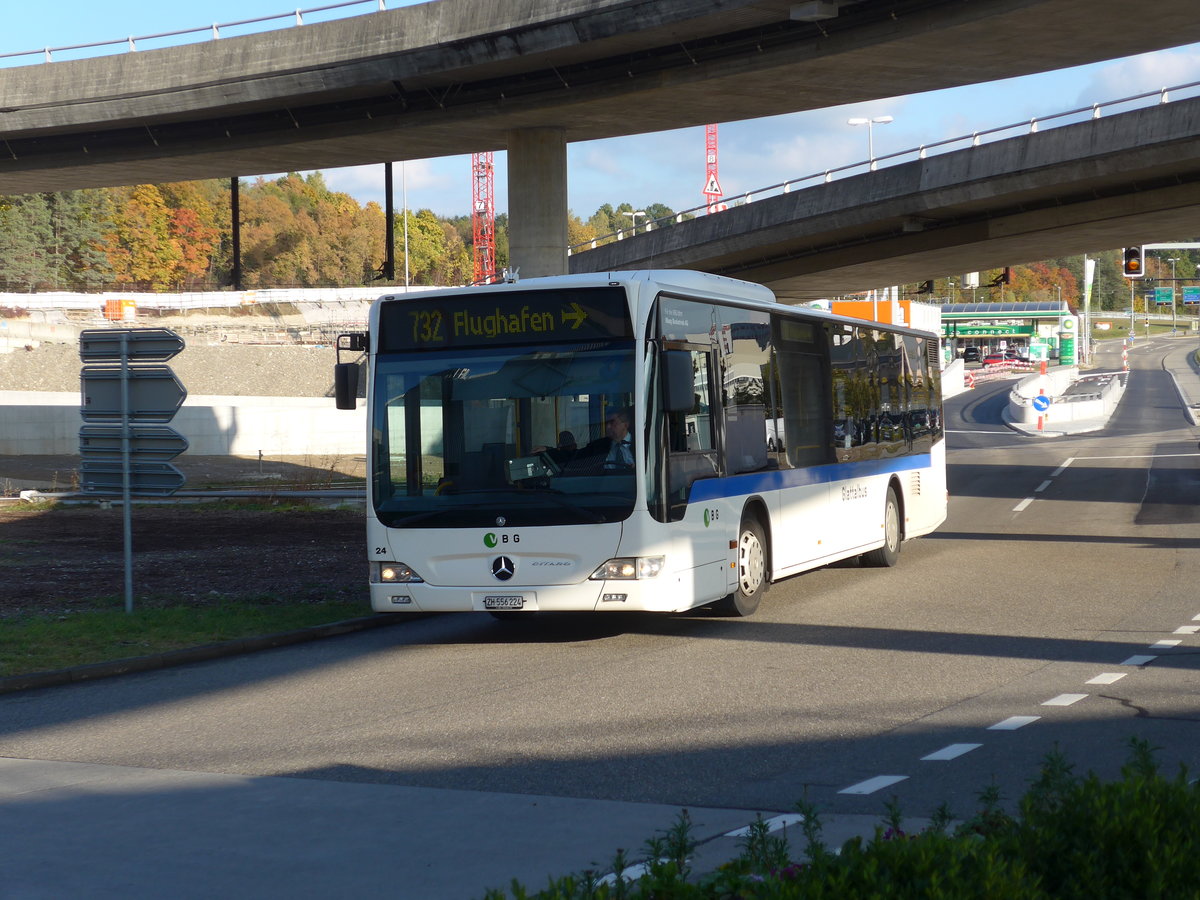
510 435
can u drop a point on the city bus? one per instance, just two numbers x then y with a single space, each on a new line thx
760 440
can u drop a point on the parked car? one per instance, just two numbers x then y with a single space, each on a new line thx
971 354
994 359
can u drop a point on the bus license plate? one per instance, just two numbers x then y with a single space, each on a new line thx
504 601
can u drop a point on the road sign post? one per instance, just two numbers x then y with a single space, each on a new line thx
1041 403
125 445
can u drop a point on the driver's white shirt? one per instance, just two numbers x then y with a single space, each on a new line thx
621 453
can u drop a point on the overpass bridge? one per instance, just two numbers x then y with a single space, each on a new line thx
456 76
1106 182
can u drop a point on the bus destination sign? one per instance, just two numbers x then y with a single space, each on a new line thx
512 317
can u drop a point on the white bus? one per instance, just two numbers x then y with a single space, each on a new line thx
492 411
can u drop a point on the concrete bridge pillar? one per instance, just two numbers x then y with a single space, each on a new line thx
537 201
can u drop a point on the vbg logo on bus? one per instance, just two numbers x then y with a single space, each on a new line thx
492 540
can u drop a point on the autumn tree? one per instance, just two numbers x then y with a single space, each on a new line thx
138 243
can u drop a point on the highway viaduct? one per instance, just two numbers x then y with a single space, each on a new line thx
528 77
1106 182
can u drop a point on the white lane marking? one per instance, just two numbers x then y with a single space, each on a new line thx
1041 487
773 824
1021 507
871 785
1064 700
1196 618
629 873
1143 456
1186 629
1164 645
1139 660
1106 678
1012 723
952 751
1062 468
963 431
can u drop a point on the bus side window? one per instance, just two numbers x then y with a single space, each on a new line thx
690 438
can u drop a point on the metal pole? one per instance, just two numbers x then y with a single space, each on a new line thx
126 515
404 200
389 260
235 215
1172 261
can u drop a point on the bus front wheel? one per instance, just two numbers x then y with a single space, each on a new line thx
887 555
751 571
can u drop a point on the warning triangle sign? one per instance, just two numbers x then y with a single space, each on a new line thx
712 187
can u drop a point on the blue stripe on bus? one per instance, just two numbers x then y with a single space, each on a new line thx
777 479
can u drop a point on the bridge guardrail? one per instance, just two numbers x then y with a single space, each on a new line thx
974 139
131 42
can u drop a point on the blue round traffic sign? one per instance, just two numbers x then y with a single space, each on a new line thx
1041 403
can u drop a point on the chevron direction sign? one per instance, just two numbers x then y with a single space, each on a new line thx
126 444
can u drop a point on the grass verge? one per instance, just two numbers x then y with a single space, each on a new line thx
49 643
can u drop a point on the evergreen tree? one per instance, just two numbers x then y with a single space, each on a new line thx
26 243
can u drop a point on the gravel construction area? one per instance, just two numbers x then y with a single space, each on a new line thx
236 370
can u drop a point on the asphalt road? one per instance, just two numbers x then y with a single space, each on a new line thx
1057 608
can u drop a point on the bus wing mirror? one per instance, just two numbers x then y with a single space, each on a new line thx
680 381
345 385
345 375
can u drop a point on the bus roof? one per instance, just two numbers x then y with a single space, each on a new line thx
716 287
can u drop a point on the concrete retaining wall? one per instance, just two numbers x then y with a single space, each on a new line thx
953 379
38 423
1091 405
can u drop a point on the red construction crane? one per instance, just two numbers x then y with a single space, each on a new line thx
483 216
712 187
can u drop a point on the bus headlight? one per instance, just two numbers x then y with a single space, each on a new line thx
629 568
393 573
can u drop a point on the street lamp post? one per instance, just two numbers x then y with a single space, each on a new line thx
870 123
633 215
1172 260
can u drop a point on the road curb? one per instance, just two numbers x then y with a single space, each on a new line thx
12 683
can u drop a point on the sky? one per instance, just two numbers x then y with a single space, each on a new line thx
666 167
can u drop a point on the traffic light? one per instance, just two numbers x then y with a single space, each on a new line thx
1131 263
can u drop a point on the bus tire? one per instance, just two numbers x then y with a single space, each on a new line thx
751 571
887 555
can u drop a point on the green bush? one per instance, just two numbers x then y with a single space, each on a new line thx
1073 837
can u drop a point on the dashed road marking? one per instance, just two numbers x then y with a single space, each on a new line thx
1186 629
1061 468
871 785
1106 678
1023 505
952 751
1041 487
773 824
1164 645
630 873
1139 660
1012 723
1064 699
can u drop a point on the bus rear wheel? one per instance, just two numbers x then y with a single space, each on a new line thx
751 572
887 555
